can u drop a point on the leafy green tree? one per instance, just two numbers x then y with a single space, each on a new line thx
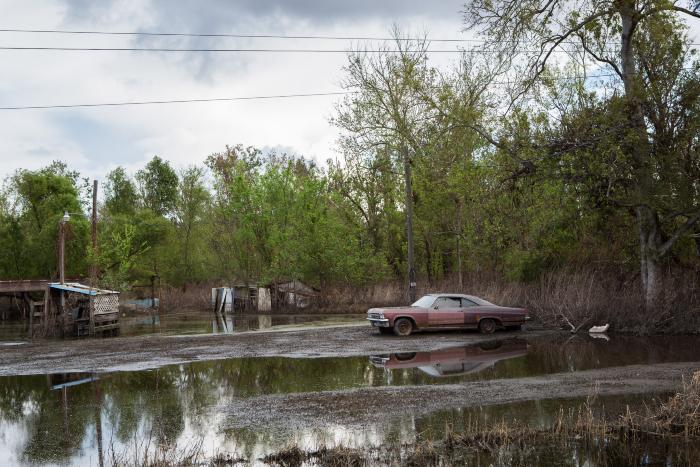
29 225
643 45
158 185
191 217
121 196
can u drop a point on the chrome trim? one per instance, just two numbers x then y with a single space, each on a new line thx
378 360
380 322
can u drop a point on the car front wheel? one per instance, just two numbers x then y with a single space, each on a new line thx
487 326
403 327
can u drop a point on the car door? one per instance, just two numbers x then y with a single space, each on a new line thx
471 312
446 312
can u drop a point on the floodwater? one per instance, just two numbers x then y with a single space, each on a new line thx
90 419
142 323
184 323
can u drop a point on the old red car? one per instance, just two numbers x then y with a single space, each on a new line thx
446 311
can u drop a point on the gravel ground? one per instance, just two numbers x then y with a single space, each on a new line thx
366 406
147 352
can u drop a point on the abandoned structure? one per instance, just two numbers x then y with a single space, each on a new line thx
244 298
292 294
274 296
65 309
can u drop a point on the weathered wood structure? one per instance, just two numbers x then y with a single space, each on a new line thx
287 294
84 310
65 309
292 294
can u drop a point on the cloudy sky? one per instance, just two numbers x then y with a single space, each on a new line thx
96 140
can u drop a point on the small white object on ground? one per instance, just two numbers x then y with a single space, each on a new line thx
599 329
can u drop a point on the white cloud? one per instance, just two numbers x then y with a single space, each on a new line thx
97 140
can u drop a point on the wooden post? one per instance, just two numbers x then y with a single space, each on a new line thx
98 420
458 231
153 291
93 267
61 251
47 310
409 226
91 312
31 322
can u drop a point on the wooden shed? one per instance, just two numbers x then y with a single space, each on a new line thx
83 310
292 294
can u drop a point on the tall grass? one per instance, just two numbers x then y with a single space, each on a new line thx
572 298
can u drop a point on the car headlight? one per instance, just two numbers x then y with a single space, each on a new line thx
375 314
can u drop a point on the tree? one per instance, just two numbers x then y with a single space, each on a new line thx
387 113
29 224
120 193
643 45
191 216
158 184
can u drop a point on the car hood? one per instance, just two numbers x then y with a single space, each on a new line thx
390 309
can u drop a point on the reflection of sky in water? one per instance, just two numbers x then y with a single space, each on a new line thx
180 405
196 322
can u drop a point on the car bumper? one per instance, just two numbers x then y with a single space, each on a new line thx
379 323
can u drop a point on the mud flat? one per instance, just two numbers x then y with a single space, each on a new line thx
147 352
365 406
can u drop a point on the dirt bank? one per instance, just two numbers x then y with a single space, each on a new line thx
360 407
137 353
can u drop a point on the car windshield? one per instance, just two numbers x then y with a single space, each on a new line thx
424 302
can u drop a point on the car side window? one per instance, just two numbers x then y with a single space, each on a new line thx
467 303
444 303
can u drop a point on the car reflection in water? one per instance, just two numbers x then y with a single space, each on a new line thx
455 360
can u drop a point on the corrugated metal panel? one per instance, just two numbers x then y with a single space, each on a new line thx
80 288
70 288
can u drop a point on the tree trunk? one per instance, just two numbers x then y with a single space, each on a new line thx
409 226
649 243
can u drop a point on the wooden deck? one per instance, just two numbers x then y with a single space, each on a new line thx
70 308
21 286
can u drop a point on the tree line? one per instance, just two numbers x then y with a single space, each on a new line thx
519 162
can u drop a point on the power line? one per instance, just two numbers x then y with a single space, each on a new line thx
238 36
228 99
255 50
166 49
176 101
246 36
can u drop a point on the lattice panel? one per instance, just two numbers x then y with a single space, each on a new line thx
105 304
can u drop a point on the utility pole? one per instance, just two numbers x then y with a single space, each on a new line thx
458 231
93 266
409 225
62 248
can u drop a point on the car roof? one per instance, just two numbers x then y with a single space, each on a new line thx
473 298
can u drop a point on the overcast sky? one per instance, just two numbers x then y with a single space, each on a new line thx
95 141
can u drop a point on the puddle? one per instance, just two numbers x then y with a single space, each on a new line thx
78 418
198 322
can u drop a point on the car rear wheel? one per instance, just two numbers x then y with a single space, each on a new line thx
403 327
487 326
385 330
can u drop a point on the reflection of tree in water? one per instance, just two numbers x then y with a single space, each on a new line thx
159 404
56 421
144 404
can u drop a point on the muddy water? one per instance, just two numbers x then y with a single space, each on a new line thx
182 323
196 322
77 419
